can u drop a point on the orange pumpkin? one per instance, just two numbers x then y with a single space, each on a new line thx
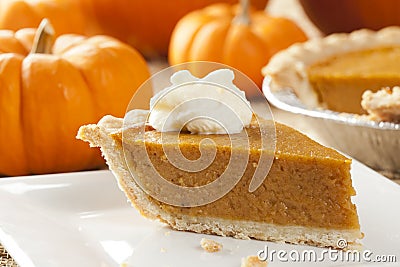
46 94
145 24
350 15
64 14
239 37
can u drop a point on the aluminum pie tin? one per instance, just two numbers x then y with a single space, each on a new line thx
376 144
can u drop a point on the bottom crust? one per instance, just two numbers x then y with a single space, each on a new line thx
268 232
99 136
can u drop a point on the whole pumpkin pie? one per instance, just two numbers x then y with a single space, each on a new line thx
305 198
333 72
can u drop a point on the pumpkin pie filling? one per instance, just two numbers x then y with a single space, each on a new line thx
308 184
341 80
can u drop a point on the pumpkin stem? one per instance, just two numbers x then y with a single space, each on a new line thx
44 38
244 15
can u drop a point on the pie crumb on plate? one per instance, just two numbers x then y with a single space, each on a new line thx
210 245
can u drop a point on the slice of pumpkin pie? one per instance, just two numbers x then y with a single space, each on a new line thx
304 199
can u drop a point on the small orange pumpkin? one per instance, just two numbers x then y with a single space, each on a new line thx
64 15
47 92
239 37
145 24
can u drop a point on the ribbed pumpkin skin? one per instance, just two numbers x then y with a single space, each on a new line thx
211 34
65 15
45 98
145 24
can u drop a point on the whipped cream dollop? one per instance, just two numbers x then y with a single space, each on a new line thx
209 105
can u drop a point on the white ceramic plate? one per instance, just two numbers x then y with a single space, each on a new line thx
83 219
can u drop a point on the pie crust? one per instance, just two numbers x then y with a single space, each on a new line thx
383 105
